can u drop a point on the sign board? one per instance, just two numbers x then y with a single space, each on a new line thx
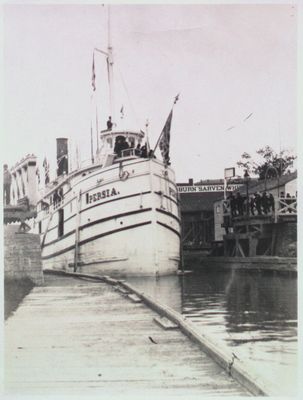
229 173
207 188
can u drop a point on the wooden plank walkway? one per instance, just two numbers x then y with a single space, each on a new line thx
89 339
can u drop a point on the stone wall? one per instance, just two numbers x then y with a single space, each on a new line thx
22 255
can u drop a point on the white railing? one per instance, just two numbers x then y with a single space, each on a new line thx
58 204
129 152
286 206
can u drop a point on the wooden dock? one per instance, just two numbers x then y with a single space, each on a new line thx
87 338
198 260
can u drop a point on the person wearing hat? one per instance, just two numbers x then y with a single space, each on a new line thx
7 180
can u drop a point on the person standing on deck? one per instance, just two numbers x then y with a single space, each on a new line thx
239 203
258 203
144 151
264 203
252 205
7 180
109 123
271 203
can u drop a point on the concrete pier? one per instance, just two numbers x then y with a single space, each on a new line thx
84 338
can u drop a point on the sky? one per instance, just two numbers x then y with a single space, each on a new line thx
228 62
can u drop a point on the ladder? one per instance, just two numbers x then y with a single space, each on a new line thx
77 232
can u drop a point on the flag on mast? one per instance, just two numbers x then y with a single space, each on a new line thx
46 171
38 174
122 112
93 74
165 139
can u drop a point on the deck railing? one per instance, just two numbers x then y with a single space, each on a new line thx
130 152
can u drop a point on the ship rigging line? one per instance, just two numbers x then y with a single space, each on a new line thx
128 96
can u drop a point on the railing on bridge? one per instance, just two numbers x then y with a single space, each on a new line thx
283 206
286 206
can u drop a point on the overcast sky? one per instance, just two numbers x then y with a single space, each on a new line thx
227 61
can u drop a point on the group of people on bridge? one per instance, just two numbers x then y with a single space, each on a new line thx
256 204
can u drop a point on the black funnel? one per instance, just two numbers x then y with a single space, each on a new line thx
62 156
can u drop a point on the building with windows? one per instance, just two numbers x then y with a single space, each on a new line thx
197 211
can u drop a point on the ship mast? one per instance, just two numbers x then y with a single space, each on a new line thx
110 67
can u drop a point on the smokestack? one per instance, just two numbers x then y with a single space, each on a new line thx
62 156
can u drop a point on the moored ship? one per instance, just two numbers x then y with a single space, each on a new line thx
118 214
122 215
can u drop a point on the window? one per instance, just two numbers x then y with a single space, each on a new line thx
60 222
40 227
131 141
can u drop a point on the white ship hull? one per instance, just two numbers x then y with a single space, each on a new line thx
119 220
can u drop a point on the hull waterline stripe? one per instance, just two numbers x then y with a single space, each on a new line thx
98 221
58 239
170 228
95 205
114 231
171 199
82 242
167 180
169 214
114 217
168 197
116 199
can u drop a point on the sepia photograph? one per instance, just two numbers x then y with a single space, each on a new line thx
150 167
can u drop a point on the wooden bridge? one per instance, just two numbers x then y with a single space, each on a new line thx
256 235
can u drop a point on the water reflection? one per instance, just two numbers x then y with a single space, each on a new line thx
246 301
253 312
166 289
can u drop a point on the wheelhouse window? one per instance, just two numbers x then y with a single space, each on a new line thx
131 141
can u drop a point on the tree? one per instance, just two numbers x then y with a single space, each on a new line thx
270 165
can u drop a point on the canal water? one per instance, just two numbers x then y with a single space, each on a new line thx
253 313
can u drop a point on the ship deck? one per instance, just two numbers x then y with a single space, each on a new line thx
85 338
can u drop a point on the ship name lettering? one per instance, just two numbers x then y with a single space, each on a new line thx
91 198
